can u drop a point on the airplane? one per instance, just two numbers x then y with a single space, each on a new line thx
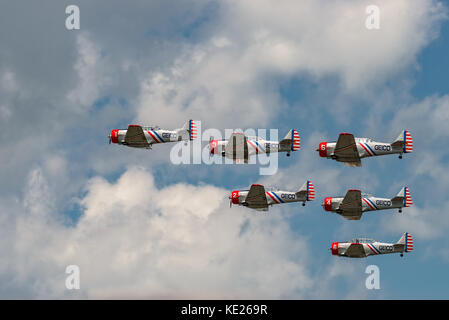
240 147
259 199
350 150
362 248
354 204
137 136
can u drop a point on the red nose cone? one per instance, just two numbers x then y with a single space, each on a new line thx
213 146
322 149
114 136
334 248
328 204
235 197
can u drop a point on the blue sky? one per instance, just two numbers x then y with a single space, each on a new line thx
139 226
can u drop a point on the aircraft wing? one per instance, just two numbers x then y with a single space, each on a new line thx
355 250
346 150
256 198
135 137
351 206
237 147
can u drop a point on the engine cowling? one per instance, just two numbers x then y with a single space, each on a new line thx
327 204
114 136
322 149
334 248
213 144
235 197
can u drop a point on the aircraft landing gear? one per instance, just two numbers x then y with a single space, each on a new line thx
402 254
400 156
288 154
303 204
400 210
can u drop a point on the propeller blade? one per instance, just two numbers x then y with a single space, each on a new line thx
210 154
230 203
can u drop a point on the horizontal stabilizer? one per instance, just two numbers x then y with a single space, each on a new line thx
405 243
188 131
292 140
403 198
405 141
306 192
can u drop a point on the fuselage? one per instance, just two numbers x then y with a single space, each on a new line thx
369 203
273 197
369 249
153 135
365 148
255 146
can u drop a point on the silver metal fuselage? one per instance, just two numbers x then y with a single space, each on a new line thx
255 146
369 249
369 203
368 148
153 136
273 197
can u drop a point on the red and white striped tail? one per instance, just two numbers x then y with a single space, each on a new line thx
296 141
407 198
408 242
408 146
192 130
310 191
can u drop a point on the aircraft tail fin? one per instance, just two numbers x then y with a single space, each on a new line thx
188 130
403 198
406 241
405 140
292 139
307 191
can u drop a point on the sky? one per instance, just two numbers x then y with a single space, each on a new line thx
139 226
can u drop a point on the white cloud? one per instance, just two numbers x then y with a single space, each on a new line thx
92 73
135 240
225 80
8 82
427 121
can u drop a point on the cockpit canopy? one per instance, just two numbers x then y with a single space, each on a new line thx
150 128
362 240
366 195
257 138
363 140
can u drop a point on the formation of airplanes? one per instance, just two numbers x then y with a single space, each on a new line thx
347 149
